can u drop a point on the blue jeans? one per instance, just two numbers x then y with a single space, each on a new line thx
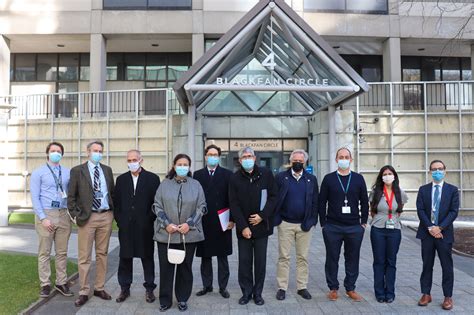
385 245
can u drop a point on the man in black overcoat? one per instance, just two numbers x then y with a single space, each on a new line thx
134 196
215 182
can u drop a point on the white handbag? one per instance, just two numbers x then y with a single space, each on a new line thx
176 256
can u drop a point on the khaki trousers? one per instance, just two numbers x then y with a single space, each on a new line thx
288 235
97 229
60 237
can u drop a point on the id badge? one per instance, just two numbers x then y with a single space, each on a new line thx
63 195
346 210
390 224
98 195
55 204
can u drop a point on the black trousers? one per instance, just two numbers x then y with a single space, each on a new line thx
222 271
334 236
125 273
183 284
252 255
429 247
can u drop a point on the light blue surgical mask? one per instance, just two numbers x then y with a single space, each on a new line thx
437 175
212 161
55 157
248 164
182 171
96 157
343 164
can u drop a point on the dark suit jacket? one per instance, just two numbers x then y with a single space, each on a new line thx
80 195
133 213
448 210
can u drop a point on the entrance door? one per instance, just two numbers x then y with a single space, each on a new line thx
270 160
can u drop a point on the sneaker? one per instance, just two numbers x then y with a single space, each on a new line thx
64 290
281 295
45 291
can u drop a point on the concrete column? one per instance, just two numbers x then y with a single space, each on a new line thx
392 64
4 172
331 137
472 62
98 63
4 66
198 46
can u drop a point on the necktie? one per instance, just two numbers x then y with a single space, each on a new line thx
211 172
436 204
96 202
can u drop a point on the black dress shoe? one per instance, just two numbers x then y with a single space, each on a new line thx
281 295
182 306
45 291
258 300
124 294
224 293
390 300
164 308
102 294
64 290
304 294
204 291
381 300
244 300
150 297
81 300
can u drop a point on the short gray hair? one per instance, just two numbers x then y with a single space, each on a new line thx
90 144
299 151
246 150
136 151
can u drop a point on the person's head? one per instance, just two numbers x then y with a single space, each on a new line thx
343 158
437 170
212 154
387 176
298 158
95 149
247 158
54 152
181 165
134 160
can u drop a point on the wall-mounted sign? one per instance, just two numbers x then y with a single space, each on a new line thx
257 145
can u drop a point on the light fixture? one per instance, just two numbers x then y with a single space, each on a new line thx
336 47
61 45
155 45
421 49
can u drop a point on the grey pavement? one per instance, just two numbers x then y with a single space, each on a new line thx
407 288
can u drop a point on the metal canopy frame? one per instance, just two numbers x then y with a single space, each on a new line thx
300 53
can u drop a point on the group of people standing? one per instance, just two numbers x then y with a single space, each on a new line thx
194 214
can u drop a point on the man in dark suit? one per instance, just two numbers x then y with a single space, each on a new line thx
133 199
90 205
437 206
215 183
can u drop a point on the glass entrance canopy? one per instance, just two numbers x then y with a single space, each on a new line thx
270 62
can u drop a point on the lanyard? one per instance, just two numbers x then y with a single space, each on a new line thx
345 190
57 180
389 201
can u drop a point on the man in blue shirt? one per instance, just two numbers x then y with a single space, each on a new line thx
342 193
48 187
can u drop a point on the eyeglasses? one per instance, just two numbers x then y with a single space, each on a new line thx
437 169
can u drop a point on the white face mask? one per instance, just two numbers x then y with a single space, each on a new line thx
133 167
388 179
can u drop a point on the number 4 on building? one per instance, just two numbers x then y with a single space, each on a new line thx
269 62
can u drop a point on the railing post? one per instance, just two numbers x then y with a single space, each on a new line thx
108 126
137 98
426 130
461 164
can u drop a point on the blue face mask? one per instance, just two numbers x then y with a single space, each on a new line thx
437 175
343 164
182 171
212 161
96 157
55 157
248 164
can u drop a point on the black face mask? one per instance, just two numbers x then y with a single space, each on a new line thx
297 166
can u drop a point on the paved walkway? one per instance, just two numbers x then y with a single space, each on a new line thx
407 290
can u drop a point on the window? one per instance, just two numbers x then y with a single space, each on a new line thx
114 66
147 5
369 67
85 67
47 67
134 67
347 6
68 67
435 68
466 72
411 69
24 67
156 67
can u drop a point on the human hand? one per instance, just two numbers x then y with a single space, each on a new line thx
230 226
171 228
434 230
183 228
48 225
246 233
255 219
364 225
439 235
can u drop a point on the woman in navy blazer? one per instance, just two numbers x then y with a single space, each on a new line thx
437 206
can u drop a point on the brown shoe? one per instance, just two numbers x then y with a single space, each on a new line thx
425 300
447 304
103 295
45 291
354 296
81 300
332 295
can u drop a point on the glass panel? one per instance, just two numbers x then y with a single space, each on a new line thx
114 66
68 67
451 69
225 101
121 4
431 69
411 68
85 67
466 69
156 67
25 67
411 75
175 72
368 66
66 105
324 4
367 5
208 43
170 4
47 67
134 67
178 63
